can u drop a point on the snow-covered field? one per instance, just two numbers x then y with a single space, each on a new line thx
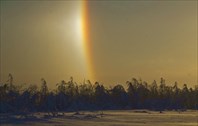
105 118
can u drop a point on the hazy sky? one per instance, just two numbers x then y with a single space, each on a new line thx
145 39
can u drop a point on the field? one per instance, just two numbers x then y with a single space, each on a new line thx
104 118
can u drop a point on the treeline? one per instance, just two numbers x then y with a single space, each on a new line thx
70 96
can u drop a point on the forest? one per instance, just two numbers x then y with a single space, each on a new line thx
70 96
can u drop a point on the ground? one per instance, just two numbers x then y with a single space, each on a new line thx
104 118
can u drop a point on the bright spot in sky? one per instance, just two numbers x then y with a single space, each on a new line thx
78 27
79 31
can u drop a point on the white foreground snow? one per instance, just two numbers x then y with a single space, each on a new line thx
105 118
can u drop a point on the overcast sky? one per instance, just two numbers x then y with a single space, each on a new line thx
145 39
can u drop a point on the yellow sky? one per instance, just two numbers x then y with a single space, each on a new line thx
146 39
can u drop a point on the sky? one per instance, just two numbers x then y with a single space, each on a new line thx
106 41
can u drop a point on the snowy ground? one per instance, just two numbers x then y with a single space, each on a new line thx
105 118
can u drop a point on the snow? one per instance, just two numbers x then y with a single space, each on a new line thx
104 118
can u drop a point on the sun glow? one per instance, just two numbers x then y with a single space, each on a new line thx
78 29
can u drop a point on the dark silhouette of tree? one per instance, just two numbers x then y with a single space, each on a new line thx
131 91
10 80
61 95
70 96
101 95
119 96
44 88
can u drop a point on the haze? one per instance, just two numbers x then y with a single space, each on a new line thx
145 39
